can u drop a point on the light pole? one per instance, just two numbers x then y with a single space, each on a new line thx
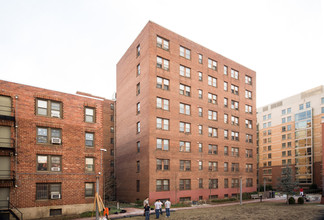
103 174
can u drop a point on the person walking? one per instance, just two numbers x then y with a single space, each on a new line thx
147 211
146 202
161 207
167 205
157 209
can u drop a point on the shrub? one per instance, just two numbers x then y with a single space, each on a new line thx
291 200
300 200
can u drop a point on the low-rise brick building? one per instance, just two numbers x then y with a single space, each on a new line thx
51 149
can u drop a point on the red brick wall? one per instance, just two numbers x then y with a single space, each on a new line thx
127 118
72 150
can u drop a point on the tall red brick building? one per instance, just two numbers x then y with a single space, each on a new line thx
186 120
51 150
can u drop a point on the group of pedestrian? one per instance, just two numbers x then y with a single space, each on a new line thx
158 208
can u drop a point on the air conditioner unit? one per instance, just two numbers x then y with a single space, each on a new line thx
55 195
56 140
55 169
55 114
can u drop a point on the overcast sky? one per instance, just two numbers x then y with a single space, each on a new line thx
74 45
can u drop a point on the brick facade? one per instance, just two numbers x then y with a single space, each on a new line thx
29 149
148 174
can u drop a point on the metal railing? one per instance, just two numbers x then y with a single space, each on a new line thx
7 205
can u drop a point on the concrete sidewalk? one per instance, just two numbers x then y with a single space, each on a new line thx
139 212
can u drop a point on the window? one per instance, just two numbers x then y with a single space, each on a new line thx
225 184
138 127
322 100
225 118
138 166
234 74
269 124
162 144
289 119
138 146
212 149
234 120
225 166
235 183
200 165
162 83
212 98
234 105
235 152
248 153
89 190
235 167
225 134
162 103
248 94
308 104
248 123
89 139
200 58
200 112
212 166
184 127
212 115
138 50
185 165
184 109
226 150
138 70
288 110
49 108
213 183
184 90
200 147
138 108
200 129
162 185
184 52
248 80
225 70
162 123
200 93
212 81
235 136
184 184
200 180
200 76
283 153
249 168
162 43
225 86
212 64
248 138
162 63
138 185
89 164
248 109
234 89
49 135
283 137
283 120
162 164
48 191
184 71
225 102
322 110
49 163
283 111
212 132
90 114
249 182
184 146
301 106
269 156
